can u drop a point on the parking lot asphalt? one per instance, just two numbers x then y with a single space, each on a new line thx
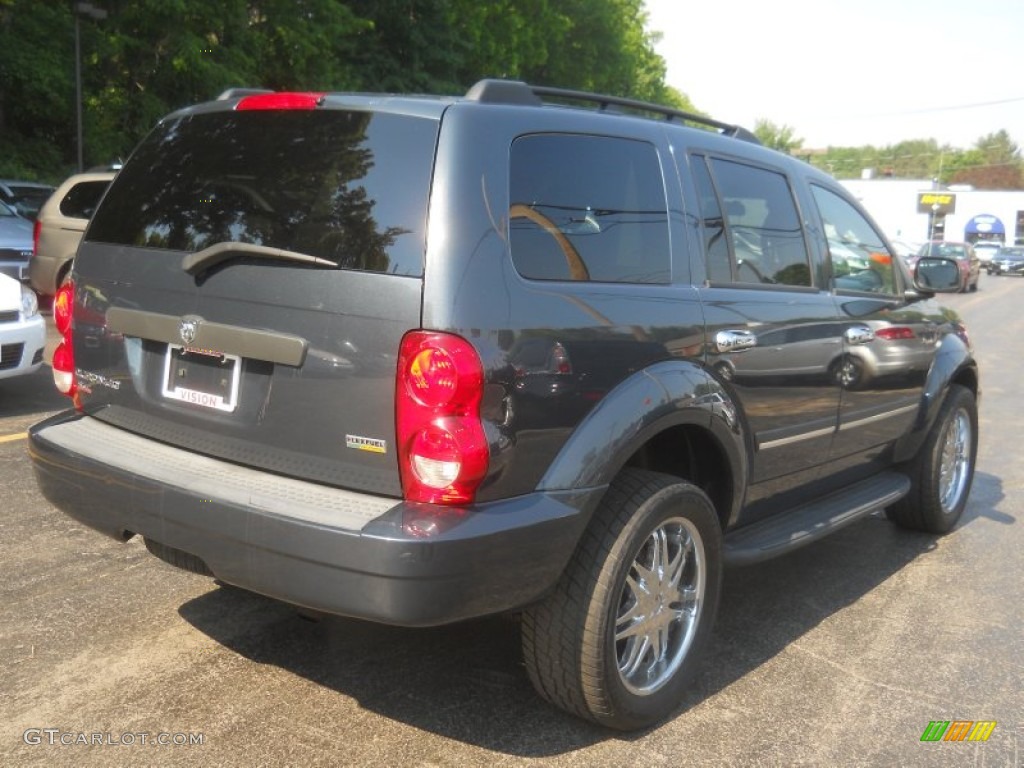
841 653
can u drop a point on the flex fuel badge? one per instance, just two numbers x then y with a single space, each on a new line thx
371 444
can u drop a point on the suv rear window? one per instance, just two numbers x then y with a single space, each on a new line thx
350 187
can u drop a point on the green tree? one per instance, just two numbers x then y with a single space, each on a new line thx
37 115
150 57
993 163
780 137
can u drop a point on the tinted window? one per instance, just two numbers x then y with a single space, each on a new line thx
716 245
860 260
350 187
763 223
588 208
81 200
944 250
28 200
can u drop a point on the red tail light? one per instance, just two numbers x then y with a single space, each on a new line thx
895 333
442 449
36 228
560 360
64 355
284 100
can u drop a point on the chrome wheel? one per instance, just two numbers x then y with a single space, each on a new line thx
954 469
847 372
943 469
620 637
660 606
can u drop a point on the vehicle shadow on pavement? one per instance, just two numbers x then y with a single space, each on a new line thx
467 682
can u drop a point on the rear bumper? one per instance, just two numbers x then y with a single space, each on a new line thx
323 548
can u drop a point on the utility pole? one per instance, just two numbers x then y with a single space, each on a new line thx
79 10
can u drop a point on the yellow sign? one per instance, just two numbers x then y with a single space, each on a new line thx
936 202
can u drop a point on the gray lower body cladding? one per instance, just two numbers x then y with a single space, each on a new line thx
323 548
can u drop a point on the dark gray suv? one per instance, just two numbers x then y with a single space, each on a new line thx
418 360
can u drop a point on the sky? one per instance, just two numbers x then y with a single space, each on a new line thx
853 73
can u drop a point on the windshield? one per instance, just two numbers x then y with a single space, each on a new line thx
943 250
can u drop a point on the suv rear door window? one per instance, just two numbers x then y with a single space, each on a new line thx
349 187
763 225
588 208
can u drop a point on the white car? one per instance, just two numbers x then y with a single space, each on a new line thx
22 329
986 249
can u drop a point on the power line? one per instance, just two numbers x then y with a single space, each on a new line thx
952 108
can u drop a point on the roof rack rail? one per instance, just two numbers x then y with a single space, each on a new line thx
518 92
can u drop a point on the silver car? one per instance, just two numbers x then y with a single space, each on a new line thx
15 243
22 329
986 251
25 197
878 348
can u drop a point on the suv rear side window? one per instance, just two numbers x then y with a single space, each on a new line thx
588 208
763 225
350 187
81 200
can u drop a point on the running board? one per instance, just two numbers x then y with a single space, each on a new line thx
785 532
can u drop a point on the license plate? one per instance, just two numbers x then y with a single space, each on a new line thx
202 379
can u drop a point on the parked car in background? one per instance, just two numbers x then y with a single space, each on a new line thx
905 249
15 243
25 197
59 228
1008 261
22 329
986 250
970 265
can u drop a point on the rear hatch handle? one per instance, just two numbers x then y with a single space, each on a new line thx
200 261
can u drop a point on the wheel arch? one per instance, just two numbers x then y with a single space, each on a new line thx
672 417
953 364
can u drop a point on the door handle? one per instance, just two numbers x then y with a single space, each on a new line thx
858 334
734 341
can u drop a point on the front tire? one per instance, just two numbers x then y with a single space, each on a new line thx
943 470
622 633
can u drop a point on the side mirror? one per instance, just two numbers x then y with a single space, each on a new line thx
935 275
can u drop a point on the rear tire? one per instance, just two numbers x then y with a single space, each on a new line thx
622 633
943 470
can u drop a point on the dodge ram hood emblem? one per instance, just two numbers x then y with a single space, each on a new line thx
188 328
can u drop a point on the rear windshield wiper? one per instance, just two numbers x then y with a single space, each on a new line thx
200 261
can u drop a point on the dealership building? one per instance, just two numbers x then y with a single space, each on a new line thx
915 211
